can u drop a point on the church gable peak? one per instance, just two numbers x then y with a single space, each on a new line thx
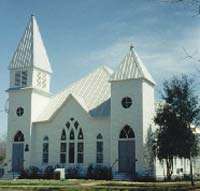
131 67
31 51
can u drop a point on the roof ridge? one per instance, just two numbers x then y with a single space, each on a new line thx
137 62
107 69
82 78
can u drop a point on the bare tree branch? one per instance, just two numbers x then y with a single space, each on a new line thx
194 4
191 57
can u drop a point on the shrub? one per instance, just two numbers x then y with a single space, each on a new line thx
73 172
90 172
99 172
34 172
24 174
48 172
186 177
56 176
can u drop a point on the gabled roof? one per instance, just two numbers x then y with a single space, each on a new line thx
31 51
131 68
91 92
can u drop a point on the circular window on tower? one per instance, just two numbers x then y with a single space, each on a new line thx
20 111
126 102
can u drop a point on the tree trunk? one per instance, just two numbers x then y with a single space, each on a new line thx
191 171
169 165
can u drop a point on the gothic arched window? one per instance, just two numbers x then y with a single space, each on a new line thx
76 124
46 139
71 135
19 137
71 146
67 125
80 134
80 147
126 133
99 136
74 145
63 147
99 149
63 135
45 151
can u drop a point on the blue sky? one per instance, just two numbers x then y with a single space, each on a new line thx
81 35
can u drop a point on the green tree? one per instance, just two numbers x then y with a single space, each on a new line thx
175 118
166 134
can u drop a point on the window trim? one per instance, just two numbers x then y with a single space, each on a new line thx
20 111
45 154
71 160
21 78
126 102
19 137
80 138
75 137
64 153
63 140
127 133
99 140
80 153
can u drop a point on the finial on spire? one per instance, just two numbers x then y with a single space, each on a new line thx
32 17
131 47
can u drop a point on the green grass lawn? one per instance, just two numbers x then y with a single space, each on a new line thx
90 185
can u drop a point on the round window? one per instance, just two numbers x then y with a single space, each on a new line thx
126 102
20 111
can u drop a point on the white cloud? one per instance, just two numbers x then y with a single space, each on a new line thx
162 58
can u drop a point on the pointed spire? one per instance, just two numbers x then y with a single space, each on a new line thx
131 68
31 51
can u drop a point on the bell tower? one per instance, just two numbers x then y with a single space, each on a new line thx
29 92
30 65
132 110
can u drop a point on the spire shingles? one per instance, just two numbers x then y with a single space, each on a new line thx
131 68
31 51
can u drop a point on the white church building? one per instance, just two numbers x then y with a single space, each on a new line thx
102 119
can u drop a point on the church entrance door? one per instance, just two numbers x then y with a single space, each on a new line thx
127 156
18 152
17 157
126 151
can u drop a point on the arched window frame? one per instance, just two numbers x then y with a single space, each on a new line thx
19 137
45 150
99 149
127 133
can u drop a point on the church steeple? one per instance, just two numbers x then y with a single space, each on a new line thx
31 51
131 67
30 65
